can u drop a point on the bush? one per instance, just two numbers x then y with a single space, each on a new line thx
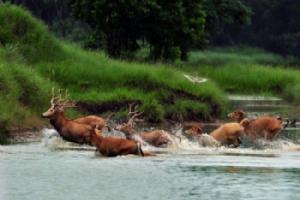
153 110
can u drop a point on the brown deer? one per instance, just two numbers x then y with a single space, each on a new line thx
71 130
228 134
157 138
64 102
113 146
192 130
266 127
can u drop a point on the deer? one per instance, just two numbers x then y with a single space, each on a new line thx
192 130
157 138
114 146
92 120
265 127
77 130
229 134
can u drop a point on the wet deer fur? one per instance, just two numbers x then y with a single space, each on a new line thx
114 146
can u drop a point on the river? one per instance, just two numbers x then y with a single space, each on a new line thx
52 169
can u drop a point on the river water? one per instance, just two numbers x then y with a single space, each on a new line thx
52 169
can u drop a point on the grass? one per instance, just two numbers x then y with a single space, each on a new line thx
239 55
32 61
23 93
248 71
94 78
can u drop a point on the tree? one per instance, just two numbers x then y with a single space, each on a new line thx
225 20
275 26
169 27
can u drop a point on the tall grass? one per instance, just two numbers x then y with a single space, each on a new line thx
94 78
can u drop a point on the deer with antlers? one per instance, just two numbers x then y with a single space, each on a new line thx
76 130
113 146
157 138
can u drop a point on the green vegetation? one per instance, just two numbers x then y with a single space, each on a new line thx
32 62
247 71
236 55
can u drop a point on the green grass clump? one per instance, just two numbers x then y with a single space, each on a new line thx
18 28
23 93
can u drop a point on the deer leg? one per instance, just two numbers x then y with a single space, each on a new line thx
266 134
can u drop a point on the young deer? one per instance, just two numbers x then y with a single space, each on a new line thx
71 130
157 138
192 130
113 146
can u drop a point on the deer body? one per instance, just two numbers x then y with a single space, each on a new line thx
228 134
157 138
263 127
92 120
112 146
266 127
71 130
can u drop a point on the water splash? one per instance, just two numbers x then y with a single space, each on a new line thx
204 145
53 141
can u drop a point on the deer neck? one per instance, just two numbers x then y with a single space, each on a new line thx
59 121
96 139
241 119
129 132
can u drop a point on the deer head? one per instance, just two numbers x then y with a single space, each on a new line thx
238 115
132 115
58 103
192 130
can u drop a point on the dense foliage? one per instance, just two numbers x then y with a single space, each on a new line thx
170 28
274 26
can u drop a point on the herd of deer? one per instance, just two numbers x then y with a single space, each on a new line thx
88 130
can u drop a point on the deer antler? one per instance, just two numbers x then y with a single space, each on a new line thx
54 99
133 114
60 100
